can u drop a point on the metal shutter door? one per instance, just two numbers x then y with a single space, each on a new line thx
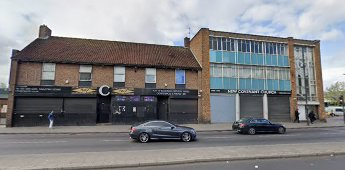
279 108
80 111
251 106
183 111
223 109
34 111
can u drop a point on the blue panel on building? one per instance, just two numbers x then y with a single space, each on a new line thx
240 59
219 56
254 59
247 58
216 83
226 57
212 56
260 59
223 109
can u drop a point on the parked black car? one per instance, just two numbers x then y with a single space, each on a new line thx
252 126
161 130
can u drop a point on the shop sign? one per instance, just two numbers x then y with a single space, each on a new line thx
20 90
84 90
104 90
123 91
166 92
249 91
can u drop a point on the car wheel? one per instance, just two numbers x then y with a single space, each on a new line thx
281 130
144 137
186 137
251 131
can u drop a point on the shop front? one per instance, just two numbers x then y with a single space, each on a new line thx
138 105
89 106
230 105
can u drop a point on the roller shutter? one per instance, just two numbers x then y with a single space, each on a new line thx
223 109
34 111
183 110
279 108
251 106
80 111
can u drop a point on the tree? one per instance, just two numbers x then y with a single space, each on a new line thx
3 85
334 91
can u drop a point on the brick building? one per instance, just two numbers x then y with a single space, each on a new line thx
3 105
258 76
87 81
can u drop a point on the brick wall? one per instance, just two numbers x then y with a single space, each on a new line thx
192 79
13 79
135 77
102 75
67 72
29 74
319 81
165 76
200 48
293 98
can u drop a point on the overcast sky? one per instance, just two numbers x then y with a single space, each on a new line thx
167 22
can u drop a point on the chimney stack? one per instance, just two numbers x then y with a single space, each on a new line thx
15 52
186 42
44 32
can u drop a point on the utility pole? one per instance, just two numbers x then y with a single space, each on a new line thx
305 87
341 98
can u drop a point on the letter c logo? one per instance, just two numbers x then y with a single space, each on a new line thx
100 90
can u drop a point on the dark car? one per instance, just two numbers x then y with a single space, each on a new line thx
252 126
161 130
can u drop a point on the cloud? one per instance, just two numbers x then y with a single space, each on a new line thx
165 22
333 34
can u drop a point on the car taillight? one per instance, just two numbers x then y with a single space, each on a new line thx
242 125
133 129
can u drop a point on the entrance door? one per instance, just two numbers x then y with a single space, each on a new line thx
103 109
162 105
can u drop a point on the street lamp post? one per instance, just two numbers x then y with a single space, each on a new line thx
341 98
305 87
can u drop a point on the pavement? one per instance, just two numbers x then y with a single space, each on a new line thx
122 159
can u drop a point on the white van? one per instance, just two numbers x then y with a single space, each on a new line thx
334 110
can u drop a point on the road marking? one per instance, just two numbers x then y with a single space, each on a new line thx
114 140
33 142
331 133
216 137
262 136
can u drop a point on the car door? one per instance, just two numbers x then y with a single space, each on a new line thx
267 126
153 129
165 130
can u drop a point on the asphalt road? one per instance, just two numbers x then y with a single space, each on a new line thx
334 162
102 142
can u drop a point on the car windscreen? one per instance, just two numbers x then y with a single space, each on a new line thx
243 120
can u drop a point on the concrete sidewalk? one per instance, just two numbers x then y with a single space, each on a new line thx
121 159
331 122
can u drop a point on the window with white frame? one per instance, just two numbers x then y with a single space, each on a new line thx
180 77
48 74
119 74
150 75
85 75
48 71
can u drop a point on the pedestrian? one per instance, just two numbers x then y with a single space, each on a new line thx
51 118
311 116
296 116
62 113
